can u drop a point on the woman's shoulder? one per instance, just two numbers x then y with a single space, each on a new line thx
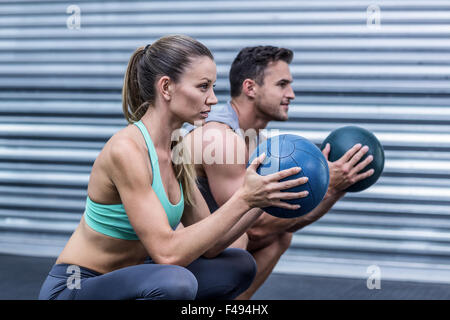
125 144
122 153
126 139
123 148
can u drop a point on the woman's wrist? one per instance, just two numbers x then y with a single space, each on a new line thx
242 200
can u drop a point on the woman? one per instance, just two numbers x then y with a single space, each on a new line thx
137 196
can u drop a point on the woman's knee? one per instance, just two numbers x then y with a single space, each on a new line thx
178 284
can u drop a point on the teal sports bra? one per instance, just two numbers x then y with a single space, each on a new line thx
112 220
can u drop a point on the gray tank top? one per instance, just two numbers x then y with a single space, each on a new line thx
223 114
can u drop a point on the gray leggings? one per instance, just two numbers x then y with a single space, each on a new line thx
223 277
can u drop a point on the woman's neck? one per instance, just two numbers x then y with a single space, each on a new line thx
160 125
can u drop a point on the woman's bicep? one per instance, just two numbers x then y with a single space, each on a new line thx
132 178
148 219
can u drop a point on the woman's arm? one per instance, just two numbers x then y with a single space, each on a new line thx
132 178
194 214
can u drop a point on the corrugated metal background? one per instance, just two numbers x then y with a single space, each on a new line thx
60 102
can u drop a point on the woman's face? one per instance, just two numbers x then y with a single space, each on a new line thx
193 95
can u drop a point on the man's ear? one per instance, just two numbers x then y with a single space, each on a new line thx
164 86
249 88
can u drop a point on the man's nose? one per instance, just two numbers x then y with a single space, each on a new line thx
290 93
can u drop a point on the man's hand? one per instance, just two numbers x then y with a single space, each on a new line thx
345 171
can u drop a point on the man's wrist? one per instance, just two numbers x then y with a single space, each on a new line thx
334 194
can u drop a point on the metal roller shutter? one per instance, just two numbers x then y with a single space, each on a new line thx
60 102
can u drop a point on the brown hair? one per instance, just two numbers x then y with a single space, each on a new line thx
251 62
168 56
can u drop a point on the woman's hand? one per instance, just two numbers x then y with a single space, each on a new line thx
265 191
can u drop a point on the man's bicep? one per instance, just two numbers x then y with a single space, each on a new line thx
224 157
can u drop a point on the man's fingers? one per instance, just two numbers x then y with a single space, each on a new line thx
350 153
326 151
364 175
363 164
358 156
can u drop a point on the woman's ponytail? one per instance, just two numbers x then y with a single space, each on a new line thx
133 104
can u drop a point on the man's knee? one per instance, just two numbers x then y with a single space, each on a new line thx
244 264
284 241
243 270
274 242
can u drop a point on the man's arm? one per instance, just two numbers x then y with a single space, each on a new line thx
343 173
210 146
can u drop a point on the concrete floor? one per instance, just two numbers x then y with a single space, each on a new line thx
21 278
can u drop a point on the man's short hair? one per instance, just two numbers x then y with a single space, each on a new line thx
251 62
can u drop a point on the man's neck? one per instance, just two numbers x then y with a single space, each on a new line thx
247 114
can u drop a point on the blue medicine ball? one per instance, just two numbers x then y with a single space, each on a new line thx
287 151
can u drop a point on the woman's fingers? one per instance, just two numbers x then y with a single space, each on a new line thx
256 162
280 196
277 176
285 205
289 195
283 185
270 189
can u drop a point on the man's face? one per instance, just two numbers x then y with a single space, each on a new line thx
273 97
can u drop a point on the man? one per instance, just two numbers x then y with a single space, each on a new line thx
261 91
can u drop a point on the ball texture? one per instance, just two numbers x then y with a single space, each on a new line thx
287 151
344 138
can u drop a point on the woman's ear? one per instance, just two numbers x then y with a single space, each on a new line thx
164 87
249 87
